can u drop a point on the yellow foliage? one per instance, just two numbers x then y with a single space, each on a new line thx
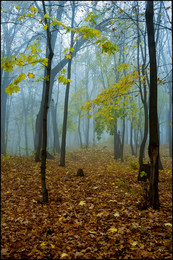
123 66
31 75
45 27
33 9
68 56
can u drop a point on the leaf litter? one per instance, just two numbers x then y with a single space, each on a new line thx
91 217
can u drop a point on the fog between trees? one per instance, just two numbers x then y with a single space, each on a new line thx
120 114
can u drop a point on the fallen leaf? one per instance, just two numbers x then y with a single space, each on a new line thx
116 214
63 255
134 243
81 203
112 230
168 224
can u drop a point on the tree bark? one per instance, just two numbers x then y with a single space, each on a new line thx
153 149
64 132
45 110
131 137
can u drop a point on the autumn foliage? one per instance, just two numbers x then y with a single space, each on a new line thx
96 216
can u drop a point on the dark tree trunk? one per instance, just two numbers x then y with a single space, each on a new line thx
64 131
117 142
45 111
4 98
94 137
38 128
170 114
143 94
87 129
56 144
122 142
25 112
131 137
153 149
38 124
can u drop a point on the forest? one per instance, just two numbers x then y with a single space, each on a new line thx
86 129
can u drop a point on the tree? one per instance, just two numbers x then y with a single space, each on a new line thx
63 143
45 110
153 149
38 123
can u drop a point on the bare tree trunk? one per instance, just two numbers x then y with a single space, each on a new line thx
45 110
63 143
25 112
79 131
122 142
131 137
117 142
153 149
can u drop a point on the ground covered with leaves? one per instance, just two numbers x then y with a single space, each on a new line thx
92 217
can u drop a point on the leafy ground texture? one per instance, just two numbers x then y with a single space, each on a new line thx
92 217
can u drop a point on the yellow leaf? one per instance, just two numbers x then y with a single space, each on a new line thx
43 244
8 191
31 15
46 16
52 246
45 27
31 75
33 9
82 203
68 56
116 214
60 218
63 255
112 230
17 7
19 18
168 224
134 243
34 49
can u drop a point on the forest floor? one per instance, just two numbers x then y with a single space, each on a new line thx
92 217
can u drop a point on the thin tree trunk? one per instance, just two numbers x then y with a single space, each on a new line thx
131 137
64 132
79 132
153 149
25 111
45 110
122 142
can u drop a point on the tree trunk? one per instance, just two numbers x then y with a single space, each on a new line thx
25 112
79 132
153 149
45 110
122 142
117 143
4 98
56 144
38 124
131 137
63 143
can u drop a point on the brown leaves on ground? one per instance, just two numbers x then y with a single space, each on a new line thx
91 217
